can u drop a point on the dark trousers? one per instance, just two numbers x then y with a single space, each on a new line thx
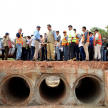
82 52
32 51
44 53
6 52
27 54
3 51
42 50
76 51
65 50
23 53
91 53
71 50
61 55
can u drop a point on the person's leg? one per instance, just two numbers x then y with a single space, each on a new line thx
42 50
99 53
32 52
48 51
6 52
105 51
82 53
77 52
102 53
58 53
52 51
69 50
3 54
72 50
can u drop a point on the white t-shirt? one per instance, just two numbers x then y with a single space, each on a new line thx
80 43
28 41
32 41
96 36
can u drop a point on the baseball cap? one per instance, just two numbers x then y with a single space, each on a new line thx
6 33
64 31
38 27
95 30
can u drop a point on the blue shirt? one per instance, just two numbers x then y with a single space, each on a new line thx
36 35
91 41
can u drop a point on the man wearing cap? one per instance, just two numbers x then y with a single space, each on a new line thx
36 43
6 45
58 45
51 40
71 42
97 45
103 50
19 43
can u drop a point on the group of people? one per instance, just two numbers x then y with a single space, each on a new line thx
71 47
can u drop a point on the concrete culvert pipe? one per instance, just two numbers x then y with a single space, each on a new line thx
53 90
16 90
89 90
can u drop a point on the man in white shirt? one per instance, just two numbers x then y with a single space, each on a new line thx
32 47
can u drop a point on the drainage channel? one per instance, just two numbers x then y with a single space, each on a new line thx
89 90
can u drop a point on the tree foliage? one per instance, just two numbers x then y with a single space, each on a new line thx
101 31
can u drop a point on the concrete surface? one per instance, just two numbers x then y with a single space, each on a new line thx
71 74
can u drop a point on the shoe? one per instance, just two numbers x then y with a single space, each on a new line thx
18 59
48 60
70 60
99 60
52 60
74 59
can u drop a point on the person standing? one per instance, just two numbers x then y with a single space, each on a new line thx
23 49
103 50
19 43
97 45
51 40
81 48
65 45
86 42
2 49
58 45
91 46
6 39
36 43
76 48
32 47
71 42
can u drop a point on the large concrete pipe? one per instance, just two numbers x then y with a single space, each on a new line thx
16 90
89 89
53 89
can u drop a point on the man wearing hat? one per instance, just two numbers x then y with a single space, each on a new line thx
71 42
6 39
97 45
58 45
103 49
36 43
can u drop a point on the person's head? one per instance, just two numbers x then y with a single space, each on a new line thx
70 27
6 34
74 30
28 37
45 35
57 32
83 28
38 28
41 36
90 34
32 35
104 39
20 31
65 33
49 27
95 31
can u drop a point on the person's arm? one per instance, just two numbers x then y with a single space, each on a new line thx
10 40
55 37
85 35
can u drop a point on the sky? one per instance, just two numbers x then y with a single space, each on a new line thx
27 14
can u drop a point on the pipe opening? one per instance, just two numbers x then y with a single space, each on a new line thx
51 93
88 90
16 90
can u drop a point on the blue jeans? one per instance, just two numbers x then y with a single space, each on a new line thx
65 50
58 52
76 52
19 51
32 51
82 52
103 54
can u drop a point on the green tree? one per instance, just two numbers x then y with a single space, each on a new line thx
101 31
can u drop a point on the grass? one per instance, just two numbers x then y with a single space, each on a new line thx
8 59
